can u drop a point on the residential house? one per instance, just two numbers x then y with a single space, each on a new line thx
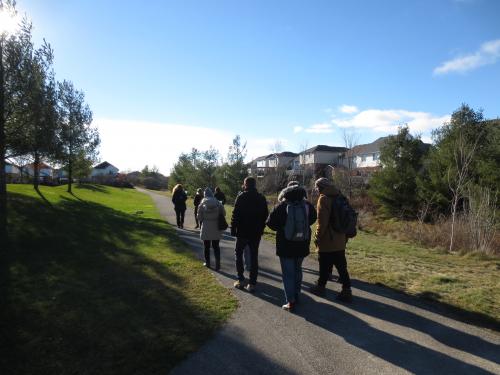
45 171
104 169
12 172
262 165
366 158
316 160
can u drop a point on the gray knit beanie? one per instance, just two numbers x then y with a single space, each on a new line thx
322 183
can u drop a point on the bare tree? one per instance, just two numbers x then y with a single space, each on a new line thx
480 217
350 142
459 178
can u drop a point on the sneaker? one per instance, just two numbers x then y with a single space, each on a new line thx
206 265
250 288
290 306
345 295
318 290
238 284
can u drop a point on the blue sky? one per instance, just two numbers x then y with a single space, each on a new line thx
164 76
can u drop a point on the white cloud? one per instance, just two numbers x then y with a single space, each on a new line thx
297 129
389 120
488 53
348 109
320 128
130 145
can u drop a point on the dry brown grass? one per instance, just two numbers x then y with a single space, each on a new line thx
436 235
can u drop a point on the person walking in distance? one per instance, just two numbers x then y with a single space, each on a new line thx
179 198
208 215
196 201
247 224
330 244
221 197
292 219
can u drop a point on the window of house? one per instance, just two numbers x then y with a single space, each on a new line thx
375 156
363 157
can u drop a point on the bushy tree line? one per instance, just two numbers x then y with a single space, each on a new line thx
200 169
41 119
150 178
456 175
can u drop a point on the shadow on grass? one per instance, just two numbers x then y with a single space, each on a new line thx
425 300
78 297
92 187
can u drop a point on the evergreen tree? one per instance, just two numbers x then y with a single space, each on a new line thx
76 137
395 186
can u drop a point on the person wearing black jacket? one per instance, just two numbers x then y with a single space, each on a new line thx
179 198
221 197
247 224
291 252
196 201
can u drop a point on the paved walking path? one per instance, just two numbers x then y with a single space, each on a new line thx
381 332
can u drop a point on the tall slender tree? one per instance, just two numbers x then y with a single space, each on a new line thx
76 136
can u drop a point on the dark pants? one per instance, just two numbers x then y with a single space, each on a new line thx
179 214
196 215
253 244
216 247
326 263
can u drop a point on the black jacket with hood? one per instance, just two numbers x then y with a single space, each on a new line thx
277 221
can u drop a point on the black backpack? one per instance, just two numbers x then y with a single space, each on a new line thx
343 218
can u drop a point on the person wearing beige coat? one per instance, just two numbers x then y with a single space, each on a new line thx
330 244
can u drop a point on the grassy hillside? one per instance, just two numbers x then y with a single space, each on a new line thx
95 282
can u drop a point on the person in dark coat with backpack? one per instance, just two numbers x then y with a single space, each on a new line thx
179 198
247 224
196 202
291 219
330 244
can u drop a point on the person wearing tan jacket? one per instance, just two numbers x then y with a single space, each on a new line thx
329 243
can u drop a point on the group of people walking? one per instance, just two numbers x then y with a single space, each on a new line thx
291 218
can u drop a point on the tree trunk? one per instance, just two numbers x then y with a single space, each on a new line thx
453 219
70 173
36 171
3 177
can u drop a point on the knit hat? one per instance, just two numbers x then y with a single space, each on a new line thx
199 191
293 183
322 183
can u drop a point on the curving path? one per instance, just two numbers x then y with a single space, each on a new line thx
381 332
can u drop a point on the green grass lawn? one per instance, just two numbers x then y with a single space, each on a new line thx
96 282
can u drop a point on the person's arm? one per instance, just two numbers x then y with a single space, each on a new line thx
323 217
313 216
223 198
275 219
235 216
264 213
199 215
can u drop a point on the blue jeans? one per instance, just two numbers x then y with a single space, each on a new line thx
291 269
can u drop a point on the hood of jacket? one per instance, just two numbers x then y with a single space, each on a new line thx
292 193
210 203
